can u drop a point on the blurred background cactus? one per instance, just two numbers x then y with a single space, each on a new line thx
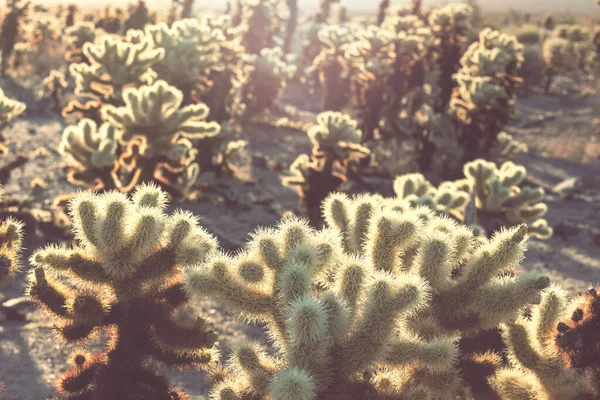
11 28
9 110
336 146
483 102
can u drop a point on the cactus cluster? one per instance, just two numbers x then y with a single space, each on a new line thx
538 371
336 145
488 198
191 53
483 102
473 287
11 29
262 24
9 109
75 37
11 236
336 341
264 76
123 278
149 139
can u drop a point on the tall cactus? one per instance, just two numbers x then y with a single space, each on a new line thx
9 109
124 280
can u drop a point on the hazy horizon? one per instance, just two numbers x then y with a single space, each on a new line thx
576 6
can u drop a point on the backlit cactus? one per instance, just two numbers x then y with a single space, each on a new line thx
10 30
55 84
450 26
578 338
76 37
336 144
538 371
9 109
124 280
262 24
507 148
500 200
191 53
11 236
262 81
331 317
483 102
114 65
91 152
471 292
329 68
160 135
560 58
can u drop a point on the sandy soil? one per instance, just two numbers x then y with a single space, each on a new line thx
564 144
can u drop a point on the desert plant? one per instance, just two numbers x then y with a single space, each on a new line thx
470 286
11 236
450 26
10 29
507 148
335 340
336 144
54 85
371 57
578 339
488 199
262 24
483 102
138 17
70 17
292 23
329 68
91 154
124 280
529 35
559 57
76 36
538 371
263 79
114 65
191 53
160 135
9 109
500 200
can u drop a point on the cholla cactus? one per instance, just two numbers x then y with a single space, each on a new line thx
262 24
160 133
409 133
578 339
336 144
449 198
91 152
76 37
371 58
11 235
507 148
499 200
114 65
331 317
538 371
483 102
124 280
263 80
154 113
559 56
54 84
10 30
191 53
329 67
450 26
468 294
9 109
488 198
